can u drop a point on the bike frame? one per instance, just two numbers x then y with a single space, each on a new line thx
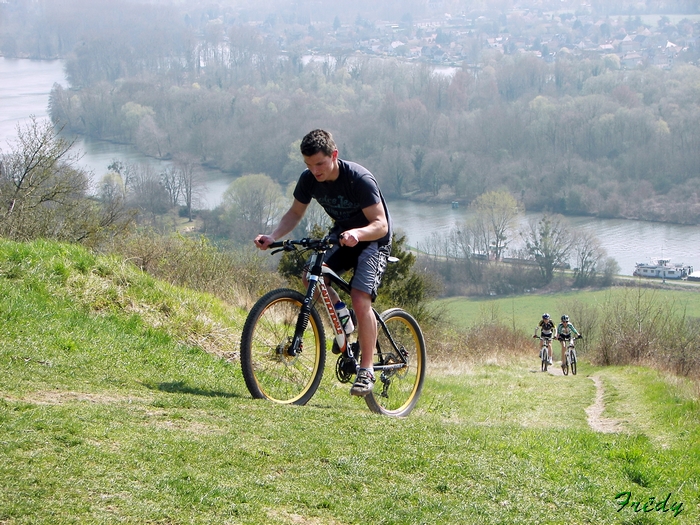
316 283
314 277
545 343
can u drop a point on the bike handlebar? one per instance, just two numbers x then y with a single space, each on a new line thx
289 245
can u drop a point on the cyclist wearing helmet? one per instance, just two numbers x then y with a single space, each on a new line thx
548 331
564 331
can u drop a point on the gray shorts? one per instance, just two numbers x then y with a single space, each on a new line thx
368 259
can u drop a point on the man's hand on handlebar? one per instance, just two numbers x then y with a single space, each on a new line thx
263 241
348 238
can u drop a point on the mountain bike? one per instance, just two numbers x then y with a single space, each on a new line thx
283 345
544 353
570 357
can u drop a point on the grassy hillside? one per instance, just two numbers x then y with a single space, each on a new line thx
121 402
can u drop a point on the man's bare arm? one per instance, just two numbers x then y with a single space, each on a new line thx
376 229
287 223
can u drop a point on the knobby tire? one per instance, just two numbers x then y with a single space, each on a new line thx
268 369
544 356
396 392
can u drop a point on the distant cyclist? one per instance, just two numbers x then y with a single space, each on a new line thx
548 331
564 332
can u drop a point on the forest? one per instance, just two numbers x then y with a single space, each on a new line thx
577 135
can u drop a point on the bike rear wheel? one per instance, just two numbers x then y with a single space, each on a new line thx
397 390
565 365
269 369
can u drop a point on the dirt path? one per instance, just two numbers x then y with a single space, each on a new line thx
595 412
555 369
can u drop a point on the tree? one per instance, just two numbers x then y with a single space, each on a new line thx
589 253
397 169
115 215
170 180
496 212
252 204
191 181
146 191
401 285
549 243
37 171
111 188
43 194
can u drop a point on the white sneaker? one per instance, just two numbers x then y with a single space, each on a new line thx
364 382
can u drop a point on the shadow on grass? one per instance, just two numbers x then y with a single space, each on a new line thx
180 387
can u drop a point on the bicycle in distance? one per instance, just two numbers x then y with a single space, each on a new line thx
283 345
570 357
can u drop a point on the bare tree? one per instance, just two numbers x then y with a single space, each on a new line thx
112 197
192 183
461 239
127 172
496 212
38 170
170 178
549 243
43 194
397 169
146 192
589 254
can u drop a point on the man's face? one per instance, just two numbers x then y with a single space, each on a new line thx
322 166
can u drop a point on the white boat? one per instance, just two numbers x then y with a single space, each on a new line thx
662 269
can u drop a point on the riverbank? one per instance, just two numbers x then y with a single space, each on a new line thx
447 198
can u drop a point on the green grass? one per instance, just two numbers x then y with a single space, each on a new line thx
111 413
524 312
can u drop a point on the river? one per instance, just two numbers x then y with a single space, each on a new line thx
24 90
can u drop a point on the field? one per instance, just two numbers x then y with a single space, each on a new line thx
112 412
524 312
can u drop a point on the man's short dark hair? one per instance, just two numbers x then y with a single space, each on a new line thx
317 140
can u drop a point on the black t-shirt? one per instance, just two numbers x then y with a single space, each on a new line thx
344 198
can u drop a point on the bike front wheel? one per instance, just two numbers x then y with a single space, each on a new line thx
573 361
398 386
270 369
544 357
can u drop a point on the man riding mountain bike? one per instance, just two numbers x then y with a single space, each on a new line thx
350 195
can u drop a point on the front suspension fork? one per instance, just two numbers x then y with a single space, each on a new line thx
302 322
